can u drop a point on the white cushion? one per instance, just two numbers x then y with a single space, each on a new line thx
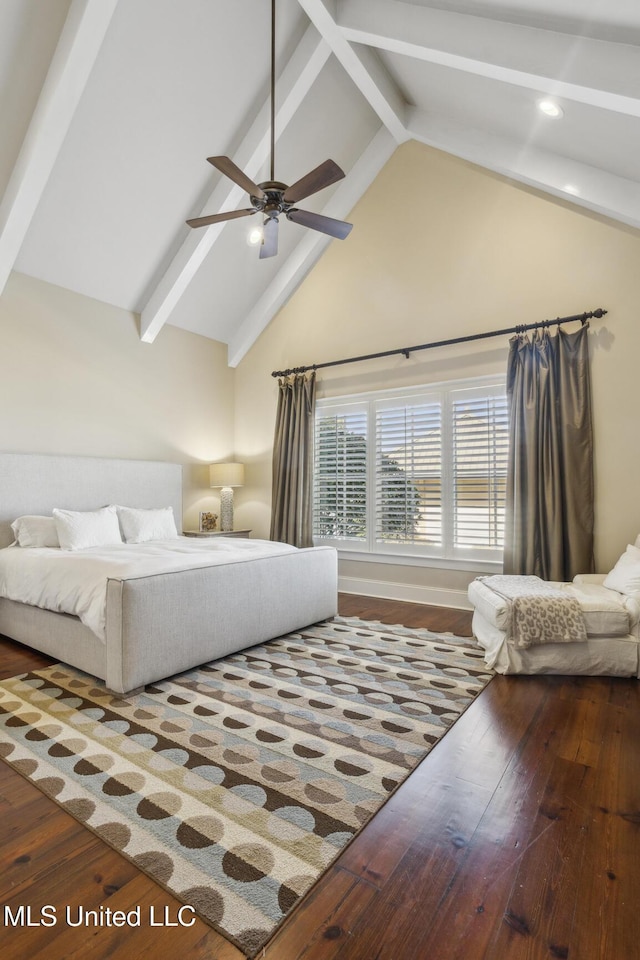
78 530
625 576
139 526
34 531
603 611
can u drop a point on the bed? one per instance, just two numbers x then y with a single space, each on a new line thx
608 645
158 624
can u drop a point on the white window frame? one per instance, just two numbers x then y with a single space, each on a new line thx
447 555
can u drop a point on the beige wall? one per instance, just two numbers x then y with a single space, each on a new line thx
76 379
443 249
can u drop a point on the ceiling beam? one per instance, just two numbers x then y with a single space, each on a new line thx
312 244
596 72
602 192
71 65
364 68
295 82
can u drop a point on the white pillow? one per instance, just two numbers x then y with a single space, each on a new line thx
638 540
79 529
139 526
33 531
625 576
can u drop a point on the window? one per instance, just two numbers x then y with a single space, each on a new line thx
414 473
340 475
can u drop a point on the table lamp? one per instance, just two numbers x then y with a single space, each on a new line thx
227 476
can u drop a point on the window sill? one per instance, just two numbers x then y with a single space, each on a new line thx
407 560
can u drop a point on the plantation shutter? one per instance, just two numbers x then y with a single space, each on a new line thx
340 474
408 472
411 473
480 446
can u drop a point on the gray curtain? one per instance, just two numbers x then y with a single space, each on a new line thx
292 497
549 497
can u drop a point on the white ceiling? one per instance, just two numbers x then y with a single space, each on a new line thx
110 108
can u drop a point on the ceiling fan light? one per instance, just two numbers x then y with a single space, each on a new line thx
254 236
550 108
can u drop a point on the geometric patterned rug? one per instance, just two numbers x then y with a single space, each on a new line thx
235 785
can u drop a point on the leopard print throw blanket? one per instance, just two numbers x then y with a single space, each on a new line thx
540 613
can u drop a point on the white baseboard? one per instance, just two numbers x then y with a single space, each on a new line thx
387 590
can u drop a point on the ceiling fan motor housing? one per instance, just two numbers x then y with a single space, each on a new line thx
272 204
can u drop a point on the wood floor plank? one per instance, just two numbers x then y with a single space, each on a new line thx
612 857
438 619
15 790
25 858
36 810
340 898
543 911
87 880
15 658
540 909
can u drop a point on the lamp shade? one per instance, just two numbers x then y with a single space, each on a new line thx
226 474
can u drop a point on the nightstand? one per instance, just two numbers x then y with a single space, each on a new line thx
216 533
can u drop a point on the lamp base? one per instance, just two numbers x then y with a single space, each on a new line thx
226 509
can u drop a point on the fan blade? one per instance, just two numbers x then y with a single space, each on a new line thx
324 175
269 245
219 217
228 167
335 228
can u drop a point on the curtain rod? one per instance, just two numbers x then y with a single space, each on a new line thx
405 351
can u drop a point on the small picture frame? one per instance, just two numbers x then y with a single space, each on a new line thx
208 522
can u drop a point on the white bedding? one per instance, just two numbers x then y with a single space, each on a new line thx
76 582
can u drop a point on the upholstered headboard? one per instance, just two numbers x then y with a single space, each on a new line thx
36 483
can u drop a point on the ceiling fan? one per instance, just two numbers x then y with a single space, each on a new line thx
273 198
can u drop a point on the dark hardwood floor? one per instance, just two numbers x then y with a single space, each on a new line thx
517 837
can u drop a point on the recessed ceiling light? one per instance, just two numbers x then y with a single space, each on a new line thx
550 108
572 189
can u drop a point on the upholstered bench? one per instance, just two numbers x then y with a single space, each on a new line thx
609 645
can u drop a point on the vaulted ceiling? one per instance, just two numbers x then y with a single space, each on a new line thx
111 107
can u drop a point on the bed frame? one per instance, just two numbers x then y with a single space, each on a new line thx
156 626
